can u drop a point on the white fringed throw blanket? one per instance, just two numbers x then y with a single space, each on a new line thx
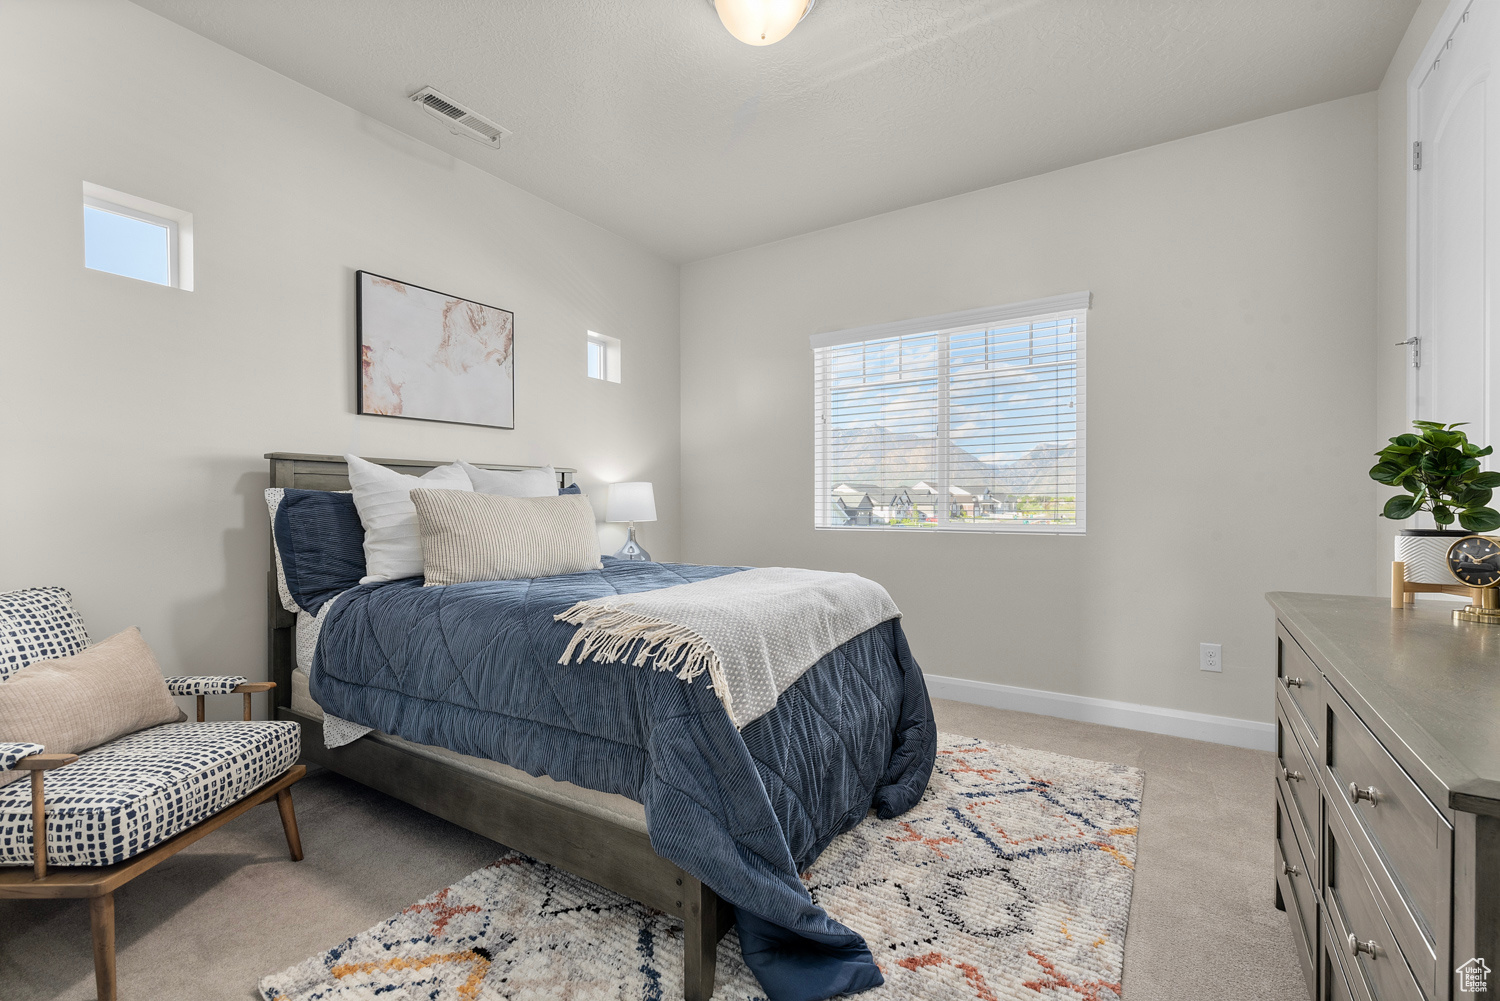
754 632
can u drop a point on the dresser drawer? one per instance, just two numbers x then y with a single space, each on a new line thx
1298 893
1406 842
1332 984
1377 969
1298 677
1297 777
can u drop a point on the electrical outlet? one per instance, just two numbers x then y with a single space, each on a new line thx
1210 657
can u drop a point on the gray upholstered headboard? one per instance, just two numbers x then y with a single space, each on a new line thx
295 470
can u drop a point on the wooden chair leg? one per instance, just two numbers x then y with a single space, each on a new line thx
102 922
38 826
700 940
289 824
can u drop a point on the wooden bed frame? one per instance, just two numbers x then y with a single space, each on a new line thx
582 842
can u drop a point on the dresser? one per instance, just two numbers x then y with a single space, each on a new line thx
1388 797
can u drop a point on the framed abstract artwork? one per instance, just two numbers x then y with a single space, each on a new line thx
429 356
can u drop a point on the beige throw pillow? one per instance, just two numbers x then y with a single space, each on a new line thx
471 536
75 703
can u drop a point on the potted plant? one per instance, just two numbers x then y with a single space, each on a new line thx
1438 467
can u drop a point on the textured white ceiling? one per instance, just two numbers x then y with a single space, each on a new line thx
647 118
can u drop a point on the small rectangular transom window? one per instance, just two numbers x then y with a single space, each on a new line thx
137 238
604 357
972 421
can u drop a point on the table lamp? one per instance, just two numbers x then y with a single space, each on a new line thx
631 502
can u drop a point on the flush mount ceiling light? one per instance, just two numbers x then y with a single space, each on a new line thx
761 22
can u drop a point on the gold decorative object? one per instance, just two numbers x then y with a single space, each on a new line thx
1473 561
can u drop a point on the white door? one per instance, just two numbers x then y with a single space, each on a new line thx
1455 109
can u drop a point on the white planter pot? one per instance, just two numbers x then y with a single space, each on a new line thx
1425 553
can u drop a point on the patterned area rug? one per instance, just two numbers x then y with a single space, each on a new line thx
1011 879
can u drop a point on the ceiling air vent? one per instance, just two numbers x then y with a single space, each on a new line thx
460 120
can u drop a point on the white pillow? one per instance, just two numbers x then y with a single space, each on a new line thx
513 482
274 497
393 547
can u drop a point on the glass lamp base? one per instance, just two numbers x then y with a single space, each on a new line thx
632 549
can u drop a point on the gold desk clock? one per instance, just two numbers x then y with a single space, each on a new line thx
1474 561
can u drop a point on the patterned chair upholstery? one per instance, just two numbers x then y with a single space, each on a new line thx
119 809
133 793
38 623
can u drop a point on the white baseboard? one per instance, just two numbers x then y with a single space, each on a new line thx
1130 715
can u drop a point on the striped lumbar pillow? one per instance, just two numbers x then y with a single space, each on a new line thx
470 536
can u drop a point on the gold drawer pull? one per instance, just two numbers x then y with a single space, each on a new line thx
1290 775
1368 948
1295 682
1371 794
1291 870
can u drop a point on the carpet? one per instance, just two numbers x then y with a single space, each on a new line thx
1011 879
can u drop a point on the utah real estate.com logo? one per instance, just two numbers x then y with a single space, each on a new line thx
1474 977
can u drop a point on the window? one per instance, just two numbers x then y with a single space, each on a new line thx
969 422
604 357
137 238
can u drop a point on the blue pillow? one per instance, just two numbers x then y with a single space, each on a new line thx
571 488
322 545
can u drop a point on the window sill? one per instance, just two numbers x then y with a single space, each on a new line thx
955 529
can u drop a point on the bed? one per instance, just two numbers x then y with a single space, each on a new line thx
602 836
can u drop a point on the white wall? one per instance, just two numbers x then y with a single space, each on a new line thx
1230 404
1393 163
133 417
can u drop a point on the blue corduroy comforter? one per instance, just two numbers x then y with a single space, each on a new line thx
473 668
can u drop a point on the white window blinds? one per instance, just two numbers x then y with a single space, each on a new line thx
972 421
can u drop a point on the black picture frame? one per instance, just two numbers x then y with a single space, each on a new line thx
444 395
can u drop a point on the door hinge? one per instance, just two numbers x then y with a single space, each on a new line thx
1416 155
1416 350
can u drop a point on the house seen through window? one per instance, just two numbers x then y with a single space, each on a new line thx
971 421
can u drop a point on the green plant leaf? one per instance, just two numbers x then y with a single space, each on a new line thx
1439 469
1471 496
1400 507
1480 519
1449 457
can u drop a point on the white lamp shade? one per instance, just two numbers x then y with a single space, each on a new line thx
760 22
630 502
